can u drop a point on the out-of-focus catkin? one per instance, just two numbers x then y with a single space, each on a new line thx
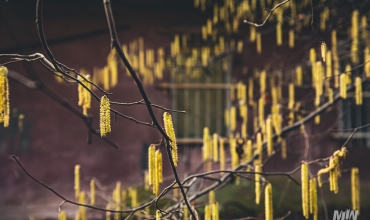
358 91
92 192
269 213
305 189
77 181
168 125
258 170
313 199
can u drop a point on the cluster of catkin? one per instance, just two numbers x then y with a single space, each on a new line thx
84 95
334 169
211 209
80 196
155 168
309 193
4 97
105 127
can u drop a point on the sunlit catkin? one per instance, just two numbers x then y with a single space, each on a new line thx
104 116
77 181
233 118
92 192
215 147
305 189
358 91
157 215
171 134
207 212
257 180
355 189
313 199
151 164
268 202
215 211
4 97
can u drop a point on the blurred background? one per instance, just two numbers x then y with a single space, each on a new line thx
209 55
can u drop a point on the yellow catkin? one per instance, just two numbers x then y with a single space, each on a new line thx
186 214
105 127
82 210
133 195
171 134
279 35
4 97
215 13
92 192
263 81
222 155
77 181
252 33
291 38
233 153
291 96
354 34
269 135
259 149
215 212
313 199
323 50
211 197
343 86
207 212
269 213
355 189
116 196
258 43
232 118
215 147
158 172
206 146
258 170
62 215
298 76
305 190
157 215
151 164
113 67
358 91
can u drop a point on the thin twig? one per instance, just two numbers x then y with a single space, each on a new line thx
268 15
